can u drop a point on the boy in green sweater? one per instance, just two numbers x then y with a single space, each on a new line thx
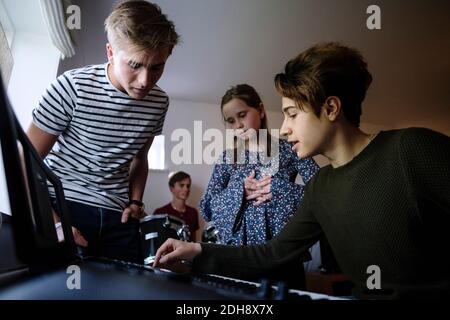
383 202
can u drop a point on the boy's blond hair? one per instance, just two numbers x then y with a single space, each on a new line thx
140 24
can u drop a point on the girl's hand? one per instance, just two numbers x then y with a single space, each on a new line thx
250 186
264 194
257 189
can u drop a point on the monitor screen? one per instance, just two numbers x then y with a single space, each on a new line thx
8 257
24 195
4 197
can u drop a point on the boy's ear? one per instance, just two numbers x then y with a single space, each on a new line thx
332 108
109 53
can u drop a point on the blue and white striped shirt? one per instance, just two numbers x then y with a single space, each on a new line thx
100 130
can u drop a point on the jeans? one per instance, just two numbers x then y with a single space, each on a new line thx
107 236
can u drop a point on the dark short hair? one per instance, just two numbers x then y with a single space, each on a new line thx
324 70
177 177
247 94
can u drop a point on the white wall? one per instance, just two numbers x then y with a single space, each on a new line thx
182 114
35 64
35 58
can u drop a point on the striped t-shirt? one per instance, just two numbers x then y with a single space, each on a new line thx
100 129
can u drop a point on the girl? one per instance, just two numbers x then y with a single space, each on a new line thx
249 202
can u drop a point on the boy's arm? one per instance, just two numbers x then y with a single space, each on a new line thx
138 179
259 261
42 141
426 162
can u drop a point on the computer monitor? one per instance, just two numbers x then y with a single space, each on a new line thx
8 257
25 185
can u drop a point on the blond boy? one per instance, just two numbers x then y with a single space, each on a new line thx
94 126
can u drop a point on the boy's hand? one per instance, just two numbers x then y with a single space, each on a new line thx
134 211
78 238
175 253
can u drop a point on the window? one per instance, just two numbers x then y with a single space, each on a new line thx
156 154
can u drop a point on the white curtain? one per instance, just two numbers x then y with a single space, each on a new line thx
6 58
55 20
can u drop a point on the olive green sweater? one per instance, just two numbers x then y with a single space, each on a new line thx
389 207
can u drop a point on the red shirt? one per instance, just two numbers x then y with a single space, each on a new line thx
190 216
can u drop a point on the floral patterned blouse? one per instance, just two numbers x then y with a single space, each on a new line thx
237 219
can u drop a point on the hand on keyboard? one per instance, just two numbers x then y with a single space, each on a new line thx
176 255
